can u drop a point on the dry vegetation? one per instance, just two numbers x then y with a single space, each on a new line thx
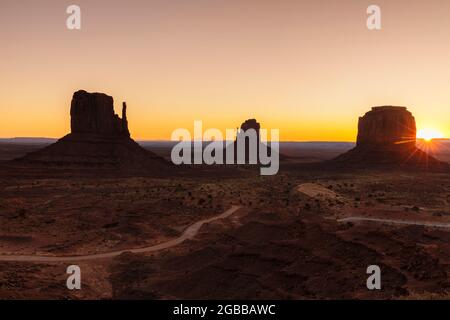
282 244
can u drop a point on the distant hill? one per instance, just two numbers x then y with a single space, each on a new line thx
27 140
307 151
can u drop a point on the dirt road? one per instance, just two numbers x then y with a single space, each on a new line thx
404 222
189 233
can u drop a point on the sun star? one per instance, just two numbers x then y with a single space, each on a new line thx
429 134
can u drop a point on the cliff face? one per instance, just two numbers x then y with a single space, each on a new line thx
94 113
98 138
387 128
387 136
251 124
245 126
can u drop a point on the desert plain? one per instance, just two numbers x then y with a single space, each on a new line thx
309 232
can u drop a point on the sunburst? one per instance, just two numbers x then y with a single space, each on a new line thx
429 134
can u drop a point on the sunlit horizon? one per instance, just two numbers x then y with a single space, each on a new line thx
307 68
429 134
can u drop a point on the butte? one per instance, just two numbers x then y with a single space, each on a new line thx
387 137
247 125
99 138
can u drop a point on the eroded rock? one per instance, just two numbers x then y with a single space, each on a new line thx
387 136
98 138
94 113
387 128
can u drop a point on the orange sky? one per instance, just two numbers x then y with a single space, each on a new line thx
308 68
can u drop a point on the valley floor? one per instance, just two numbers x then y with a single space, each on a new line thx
295 235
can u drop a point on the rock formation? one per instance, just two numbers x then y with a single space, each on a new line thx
250 124
247 125
94 113
98 138
387 128
387 135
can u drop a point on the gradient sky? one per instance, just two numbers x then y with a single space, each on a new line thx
308 68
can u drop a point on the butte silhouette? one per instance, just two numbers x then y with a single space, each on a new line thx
387 136
247 125
98 138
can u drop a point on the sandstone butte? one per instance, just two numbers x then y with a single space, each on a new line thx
247 125
98 138
387 136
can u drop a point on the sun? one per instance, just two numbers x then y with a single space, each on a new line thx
429 134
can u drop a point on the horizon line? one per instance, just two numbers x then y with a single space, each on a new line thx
192 140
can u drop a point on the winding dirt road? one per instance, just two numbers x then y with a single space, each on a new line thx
189 233
392 221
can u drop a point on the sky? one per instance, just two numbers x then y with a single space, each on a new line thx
308 68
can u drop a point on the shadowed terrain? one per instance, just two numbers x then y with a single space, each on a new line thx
222 232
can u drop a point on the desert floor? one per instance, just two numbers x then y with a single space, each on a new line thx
290 236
